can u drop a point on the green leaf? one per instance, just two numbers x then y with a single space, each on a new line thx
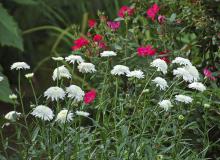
10 34
5 90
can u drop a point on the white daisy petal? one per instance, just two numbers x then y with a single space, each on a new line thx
12 116
120 70
193 72
161 65
82 113
165 104
182 72
75 93
64 116
182 61
74 59
136 74
19 65
43 112
86 67
29 75
183 98
1 78
55 93
108 54
160 82
61 72
198 86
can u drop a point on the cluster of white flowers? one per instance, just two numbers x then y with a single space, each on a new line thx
64 116
189 73
19 66
54 93
161 65
86 67
108 54
136 74
75 93
165 104
182 61
74 59
43 112
120 70
61 72
124 70
46 114
198 86
183 98
160 82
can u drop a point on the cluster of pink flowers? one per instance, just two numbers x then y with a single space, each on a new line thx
146 51
90 96
79 43
208 73
92 23
99 40
125 10
114 25
152 11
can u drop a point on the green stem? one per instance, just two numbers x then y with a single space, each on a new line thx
146 86
116 91
33 90
47 27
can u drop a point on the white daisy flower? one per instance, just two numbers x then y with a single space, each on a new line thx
136 73
193 72
120 70
61 72
182 61
54 93
13 96
75 92
12 116
57 58
165 104
29 75
74 59
183 98
182 72
86 67
19 65
160 82
82 113
1 78
198 86
108 54
64 116
43 112
160 64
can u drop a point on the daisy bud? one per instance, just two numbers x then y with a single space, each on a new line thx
181 117
29 75
206 105
13 96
